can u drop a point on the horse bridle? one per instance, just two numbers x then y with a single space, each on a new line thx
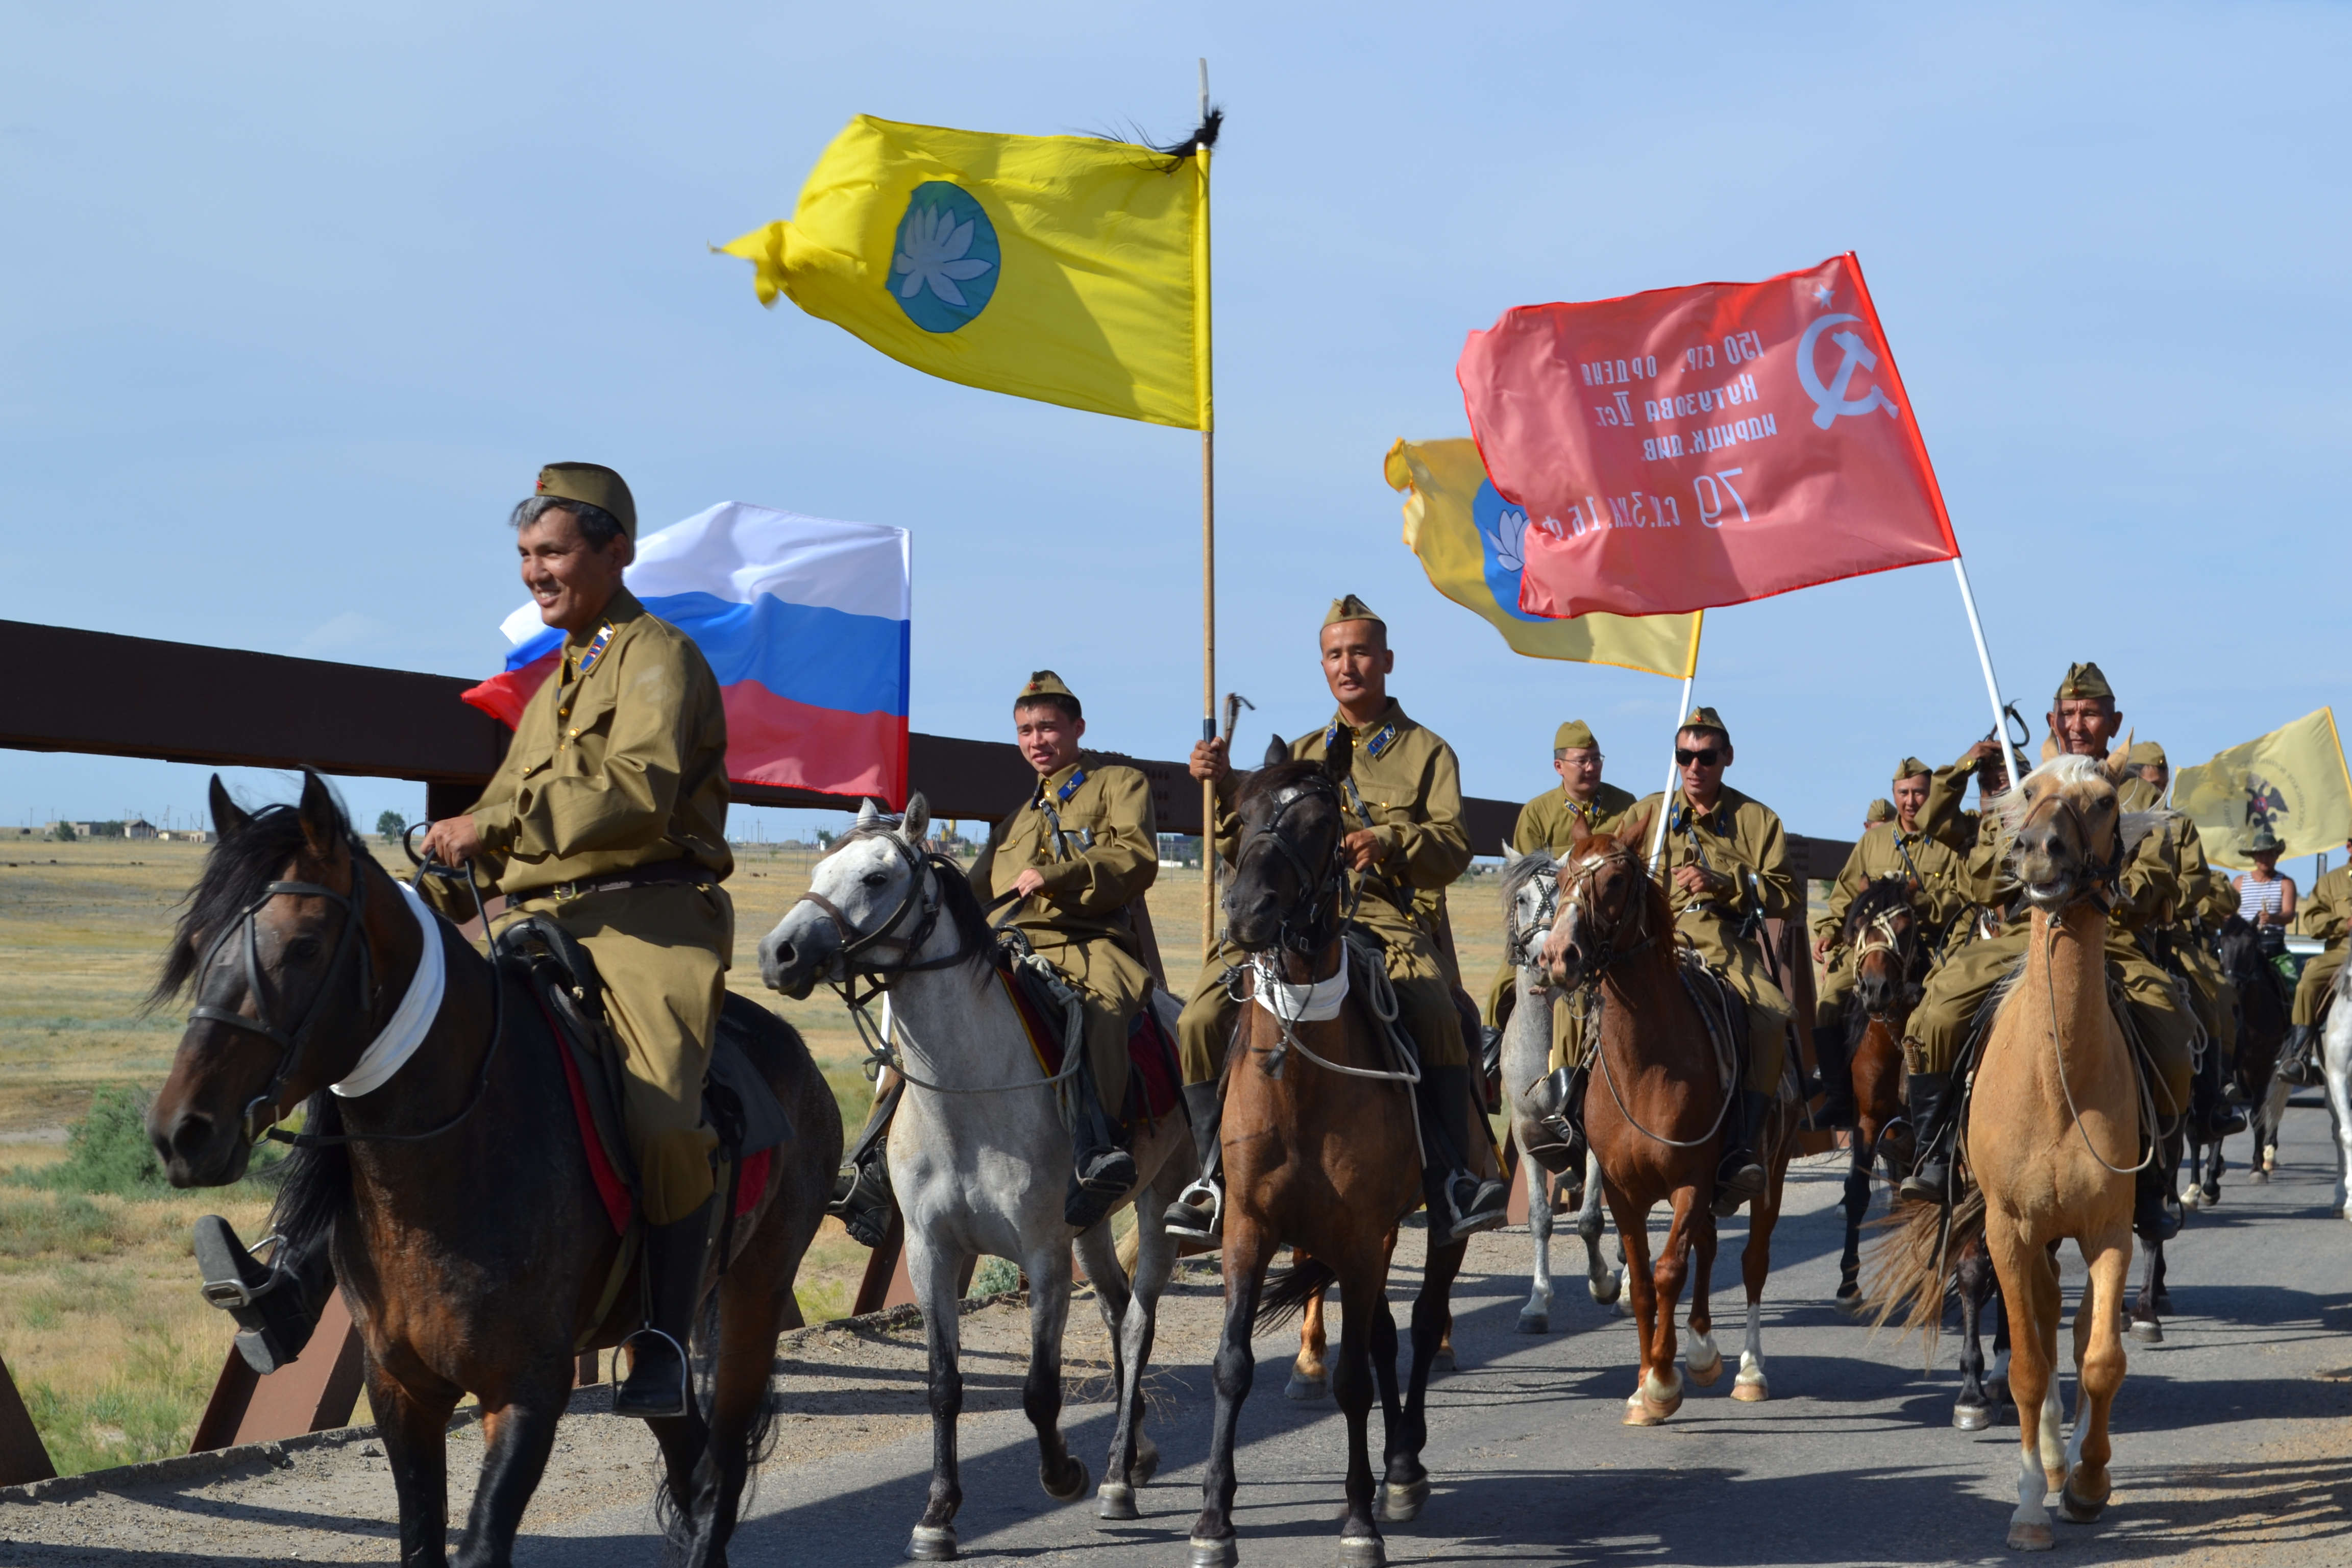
1547 913
2100 878
1584 872
857 943
1879 934
1308 936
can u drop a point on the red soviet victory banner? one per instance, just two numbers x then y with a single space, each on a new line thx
1688 448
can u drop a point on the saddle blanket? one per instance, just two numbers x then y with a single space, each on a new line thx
1152 1075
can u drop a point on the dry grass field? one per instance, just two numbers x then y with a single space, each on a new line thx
98 1322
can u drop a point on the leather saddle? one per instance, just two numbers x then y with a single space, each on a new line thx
737 1101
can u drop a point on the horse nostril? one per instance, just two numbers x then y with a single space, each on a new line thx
191 1132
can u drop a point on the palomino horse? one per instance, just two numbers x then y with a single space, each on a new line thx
2050 1139
980 1153
294 920
1890 962
1665 1072
1530 905
1321 1150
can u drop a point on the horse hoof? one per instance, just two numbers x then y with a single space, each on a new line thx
1307 1390
2259 1177
1704 1376
1639 1412
1400 1504
1147 1460
2193 1198
2031 1538
1117 1501
2077 1509
2212 1196
1076 1489
1362 1552
2147 1332
1535 1323
1752 1388
1443 1362
933 1543
1213 1553
1971 1417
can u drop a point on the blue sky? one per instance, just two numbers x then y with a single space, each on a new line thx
297 299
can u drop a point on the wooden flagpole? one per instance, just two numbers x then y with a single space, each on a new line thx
1208 567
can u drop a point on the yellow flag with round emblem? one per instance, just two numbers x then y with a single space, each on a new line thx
1067 269
2292 780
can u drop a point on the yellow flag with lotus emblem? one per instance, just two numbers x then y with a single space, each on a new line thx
1468 538
1067 269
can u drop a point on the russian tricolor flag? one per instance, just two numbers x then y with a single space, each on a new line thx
803 620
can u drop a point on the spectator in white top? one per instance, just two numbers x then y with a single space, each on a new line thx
2265 897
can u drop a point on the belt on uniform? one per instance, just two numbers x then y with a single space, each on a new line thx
660 873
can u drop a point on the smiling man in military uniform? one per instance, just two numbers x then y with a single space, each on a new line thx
1405 841
1727 870
1898 847
2083 720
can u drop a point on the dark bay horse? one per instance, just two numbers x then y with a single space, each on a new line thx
1320 1150
2265 1008
1890 955
465 1228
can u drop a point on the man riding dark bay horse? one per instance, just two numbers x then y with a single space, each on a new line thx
1406 845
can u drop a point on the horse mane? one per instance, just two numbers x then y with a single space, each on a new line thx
957 899
1525 869
1277 777
237 869
1877 896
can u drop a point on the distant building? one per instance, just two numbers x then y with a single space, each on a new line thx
139 828
185 834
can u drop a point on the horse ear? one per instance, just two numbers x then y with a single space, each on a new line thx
229 820
2117 767
866 812
1276 751
324 830
1633 830
1511 857
915 826
1577 832
1339 757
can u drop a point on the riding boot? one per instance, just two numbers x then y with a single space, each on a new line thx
2295 1064
275 1304
1557 1098
1467 1204
1198 1214
1838 1109
1103 1171
862 1198
675 1258
2156 1208
1930 1113
1739 1176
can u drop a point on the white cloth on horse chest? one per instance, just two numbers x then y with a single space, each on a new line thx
1312 1003
412 1020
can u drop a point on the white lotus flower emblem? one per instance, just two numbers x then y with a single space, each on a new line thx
935 250
1506 541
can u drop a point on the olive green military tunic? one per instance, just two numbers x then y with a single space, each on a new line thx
619 762
2325 914
1957 987
1548 822
2173 928
1090 830
1887 850
1742 838
1410 790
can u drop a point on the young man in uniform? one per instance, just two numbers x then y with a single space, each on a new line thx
1083 847
609 818
1548 822
1899 848
2083 720
1726 869
1405 841
2169 933
2327 915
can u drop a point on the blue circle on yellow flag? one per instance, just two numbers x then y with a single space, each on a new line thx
945 262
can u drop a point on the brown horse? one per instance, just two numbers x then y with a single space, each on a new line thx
2052 1132
1321 1150
1666 1074
456 1199
1890 961
1311 1373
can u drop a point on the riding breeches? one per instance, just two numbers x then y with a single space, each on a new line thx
1829 996
1114 986
1957 989
2318 976
1424 1004
662 951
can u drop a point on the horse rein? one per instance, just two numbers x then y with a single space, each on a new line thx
1586 870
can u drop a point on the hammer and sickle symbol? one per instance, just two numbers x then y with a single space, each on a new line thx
1831 401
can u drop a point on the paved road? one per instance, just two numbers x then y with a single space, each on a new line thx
2233 1438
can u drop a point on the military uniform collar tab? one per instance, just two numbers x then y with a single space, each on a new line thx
1061 783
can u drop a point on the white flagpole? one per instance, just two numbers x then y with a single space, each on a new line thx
1673 772
2019 767
1208 589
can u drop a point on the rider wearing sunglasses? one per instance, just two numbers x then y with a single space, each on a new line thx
1727 870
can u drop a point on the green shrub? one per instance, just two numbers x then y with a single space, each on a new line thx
108 1151
994 1277
69 1223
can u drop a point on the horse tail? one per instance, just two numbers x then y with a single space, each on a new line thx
672 1516
1910 1263
315 1183
1288 1291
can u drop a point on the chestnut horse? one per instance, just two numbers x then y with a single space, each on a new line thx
1321 1150
2051 1137
1890 954
465 1228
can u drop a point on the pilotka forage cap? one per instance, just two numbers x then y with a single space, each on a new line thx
2146 755
1880 810
1910 768
1044 683
1348 607
595 484
2084 681
1707 719
1576 734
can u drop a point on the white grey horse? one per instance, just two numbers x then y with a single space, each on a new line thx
1530 900
2335 1067
979 1153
